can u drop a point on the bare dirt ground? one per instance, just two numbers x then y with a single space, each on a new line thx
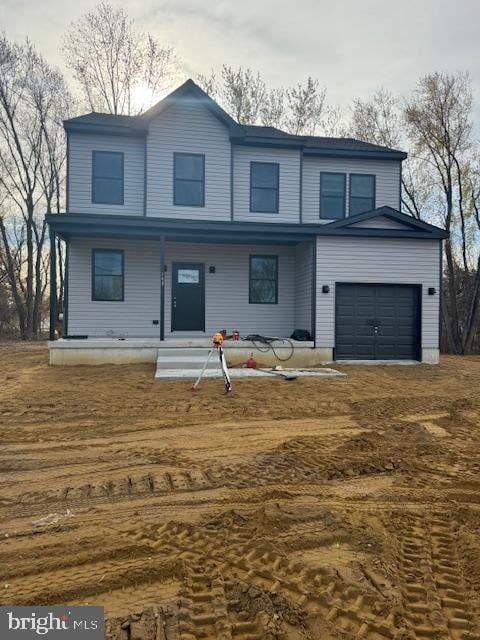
313 509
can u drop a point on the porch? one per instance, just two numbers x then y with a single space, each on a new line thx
293 353
180 285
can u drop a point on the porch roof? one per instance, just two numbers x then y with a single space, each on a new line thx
68 225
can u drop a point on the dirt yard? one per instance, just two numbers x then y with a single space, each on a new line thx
337 509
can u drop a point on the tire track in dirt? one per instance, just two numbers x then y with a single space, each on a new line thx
433 586
299 460
257 564
67 583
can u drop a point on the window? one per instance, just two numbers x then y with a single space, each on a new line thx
188 276
263 280
362 193
264 187
107 177
189 179
107 275
332 195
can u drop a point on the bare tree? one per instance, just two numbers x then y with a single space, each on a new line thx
439 125
273 111
332 123
209 84
301 110
379 120
113 61
33 100
243 93
305 106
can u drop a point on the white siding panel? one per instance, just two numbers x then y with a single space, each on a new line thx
289 177
226 290
133 317
81 146
303 285
188 128
387 182
377 261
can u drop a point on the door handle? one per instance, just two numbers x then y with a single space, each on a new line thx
174 302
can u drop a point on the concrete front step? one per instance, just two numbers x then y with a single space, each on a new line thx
192 374
187 359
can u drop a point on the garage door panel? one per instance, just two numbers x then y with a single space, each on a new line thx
362 351
392 309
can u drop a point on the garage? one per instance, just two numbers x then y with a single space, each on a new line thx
377 322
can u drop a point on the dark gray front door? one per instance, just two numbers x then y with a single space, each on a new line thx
188 297
377 322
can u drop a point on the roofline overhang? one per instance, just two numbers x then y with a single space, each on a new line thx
111 130
236 139
360 154
92 224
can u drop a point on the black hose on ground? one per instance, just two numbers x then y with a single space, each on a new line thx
265 344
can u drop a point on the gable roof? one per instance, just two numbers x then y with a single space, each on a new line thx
240 134
414 225
190 91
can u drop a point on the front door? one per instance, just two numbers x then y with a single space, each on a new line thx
188 297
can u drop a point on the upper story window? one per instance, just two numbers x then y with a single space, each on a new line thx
332 195
189 179
362 193
107 177
263 287
264 179
107 275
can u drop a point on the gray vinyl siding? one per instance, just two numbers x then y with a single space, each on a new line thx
131 318
289 183
188 128
226 290
303 285
381 222
81 146
387 182
377 261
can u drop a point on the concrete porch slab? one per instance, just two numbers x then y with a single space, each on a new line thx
192 374
379 362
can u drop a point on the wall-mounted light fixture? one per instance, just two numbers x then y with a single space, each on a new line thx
325 288
211 269
432 291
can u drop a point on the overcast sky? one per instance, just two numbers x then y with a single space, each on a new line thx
353 46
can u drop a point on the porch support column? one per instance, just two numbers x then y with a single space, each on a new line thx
314 291
53 284
162 287
65 289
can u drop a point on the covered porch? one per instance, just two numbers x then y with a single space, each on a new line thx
182 282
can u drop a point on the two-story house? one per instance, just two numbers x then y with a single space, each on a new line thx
181 222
